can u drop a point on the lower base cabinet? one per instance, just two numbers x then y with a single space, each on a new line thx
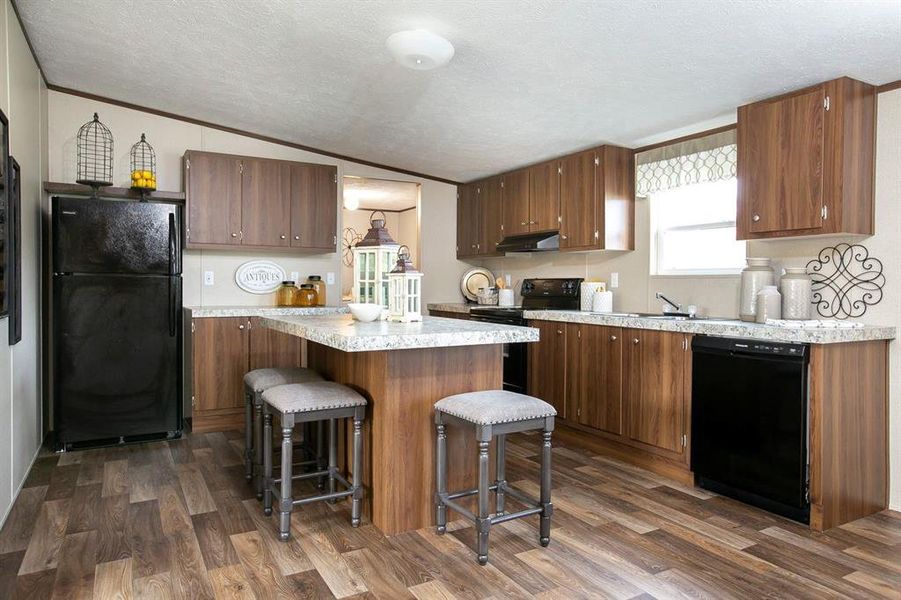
224 349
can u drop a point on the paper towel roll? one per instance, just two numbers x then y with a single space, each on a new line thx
602 302
586 293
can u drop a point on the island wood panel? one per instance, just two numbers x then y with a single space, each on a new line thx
615 210
402 386
577 201
848 432
266 190
544 196
273 349
221 349
547 364
213 183
517 218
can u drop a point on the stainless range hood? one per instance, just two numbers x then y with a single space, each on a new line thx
530 242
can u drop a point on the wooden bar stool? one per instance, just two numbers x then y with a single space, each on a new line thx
494 413
305 403
255 383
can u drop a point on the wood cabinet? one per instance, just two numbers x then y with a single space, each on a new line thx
517 205
806 162
260 203
655 364
594 376
468 219
577 201
544 196
491 204
223 350
547 365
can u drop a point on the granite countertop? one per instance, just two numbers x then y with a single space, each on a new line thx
455 307
722 327
262 311
343 333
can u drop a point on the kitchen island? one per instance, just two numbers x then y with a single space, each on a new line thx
403 369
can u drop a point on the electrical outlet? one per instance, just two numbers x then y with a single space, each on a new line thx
614 280
208 278
295 276
330 278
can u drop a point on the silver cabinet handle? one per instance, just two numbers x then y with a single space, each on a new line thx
755 218
283 237
612 338
296 237
562 236
240 327
234 235
635 341
559 331
523 223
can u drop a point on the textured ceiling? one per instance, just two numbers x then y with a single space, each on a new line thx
381 194
529 80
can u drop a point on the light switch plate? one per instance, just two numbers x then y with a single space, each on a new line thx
330 278
294 276
209 278
614 280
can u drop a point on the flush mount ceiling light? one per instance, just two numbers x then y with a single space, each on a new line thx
420 49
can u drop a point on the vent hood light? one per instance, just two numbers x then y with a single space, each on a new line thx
420 49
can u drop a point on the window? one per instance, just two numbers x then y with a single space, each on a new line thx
693 230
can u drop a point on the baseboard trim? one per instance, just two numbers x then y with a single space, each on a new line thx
21 485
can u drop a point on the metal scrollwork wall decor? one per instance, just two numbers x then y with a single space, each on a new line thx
846 280
349 239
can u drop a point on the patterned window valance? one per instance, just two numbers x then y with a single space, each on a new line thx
710 158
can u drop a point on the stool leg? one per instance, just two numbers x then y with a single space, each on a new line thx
320 451
267 462
258 446
441 479
248 437
285 506
545 499
332 455
358 472
501 479
483 523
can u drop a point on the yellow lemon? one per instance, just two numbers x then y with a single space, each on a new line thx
135 175
146 174
141 183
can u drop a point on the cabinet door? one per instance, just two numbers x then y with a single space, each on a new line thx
491 200
273 349
314 206
266 202
547 364
655 387
544 196
467 221
780 162
516 202
221 358
213 184
577 201
600 403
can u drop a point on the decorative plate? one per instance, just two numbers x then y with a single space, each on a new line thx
259 276
474 279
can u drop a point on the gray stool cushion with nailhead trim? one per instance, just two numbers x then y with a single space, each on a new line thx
308 397
492 407
260 380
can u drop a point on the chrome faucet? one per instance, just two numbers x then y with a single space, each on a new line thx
676 307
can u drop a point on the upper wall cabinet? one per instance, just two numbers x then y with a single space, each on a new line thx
259 203
806 162
468 236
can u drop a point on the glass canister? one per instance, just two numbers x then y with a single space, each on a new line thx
316 281
306 295
284 295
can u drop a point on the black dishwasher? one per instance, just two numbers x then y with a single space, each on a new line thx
749 419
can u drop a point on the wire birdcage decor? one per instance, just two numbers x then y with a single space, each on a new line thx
143 166
94 154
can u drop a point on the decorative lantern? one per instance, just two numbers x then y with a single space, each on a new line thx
405 290
94 144
143 166
374 256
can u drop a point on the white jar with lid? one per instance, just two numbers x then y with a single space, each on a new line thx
769 304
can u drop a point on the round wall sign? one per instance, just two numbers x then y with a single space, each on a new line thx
259 276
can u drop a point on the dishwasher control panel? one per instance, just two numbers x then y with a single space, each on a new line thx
741 346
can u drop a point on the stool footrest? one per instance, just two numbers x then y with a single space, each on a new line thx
458 508
522 497
322 497
535 510
472 492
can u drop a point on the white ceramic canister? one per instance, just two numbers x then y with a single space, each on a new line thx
796 293
602 302
754 277
505 297
769 304
586 293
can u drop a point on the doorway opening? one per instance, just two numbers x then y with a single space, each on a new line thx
398 200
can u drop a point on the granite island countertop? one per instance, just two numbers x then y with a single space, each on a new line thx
343 333
732 328
454 307
262 311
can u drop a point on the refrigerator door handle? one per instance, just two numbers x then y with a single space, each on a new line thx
173 307
173 245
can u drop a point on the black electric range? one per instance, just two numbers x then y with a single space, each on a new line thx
537 294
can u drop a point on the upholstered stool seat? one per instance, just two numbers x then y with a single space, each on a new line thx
494 413
303 403
255 383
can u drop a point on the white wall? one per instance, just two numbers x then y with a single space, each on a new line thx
170 138
22 96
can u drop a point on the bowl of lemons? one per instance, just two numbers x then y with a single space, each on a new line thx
143 180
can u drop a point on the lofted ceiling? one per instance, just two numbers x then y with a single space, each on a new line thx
529 80
380 194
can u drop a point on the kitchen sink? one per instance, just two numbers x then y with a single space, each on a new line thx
663 317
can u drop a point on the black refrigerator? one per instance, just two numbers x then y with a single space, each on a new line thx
117 320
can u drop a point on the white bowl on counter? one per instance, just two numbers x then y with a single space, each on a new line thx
365 313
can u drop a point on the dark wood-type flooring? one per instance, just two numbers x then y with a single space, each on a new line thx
177 520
